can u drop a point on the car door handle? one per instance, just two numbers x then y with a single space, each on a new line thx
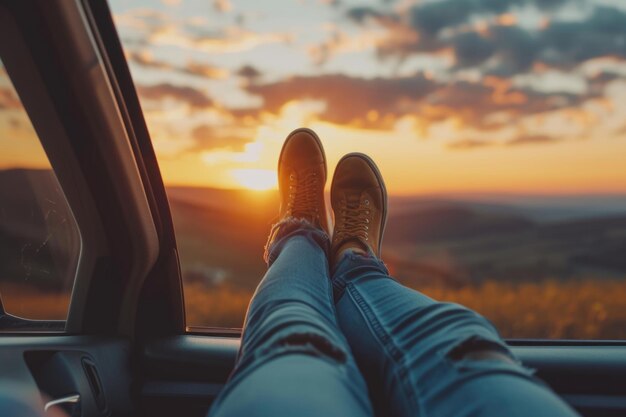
68 399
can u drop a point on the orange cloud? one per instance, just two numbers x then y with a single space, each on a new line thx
158 92
200 69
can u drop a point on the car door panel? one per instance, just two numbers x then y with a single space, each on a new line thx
591 377
44 368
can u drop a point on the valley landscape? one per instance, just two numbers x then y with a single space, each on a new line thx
537 266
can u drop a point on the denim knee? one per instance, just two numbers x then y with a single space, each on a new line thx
456 329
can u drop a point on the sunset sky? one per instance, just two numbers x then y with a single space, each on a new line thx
520 96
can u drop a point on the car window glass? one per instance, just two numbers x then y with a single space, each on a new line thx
500 128
39 238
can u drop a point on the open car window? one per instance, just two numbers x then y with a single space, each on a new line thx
499 129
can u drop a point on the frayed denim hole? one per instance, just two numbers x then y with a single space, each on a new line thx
456 356
318 343
477 344
494 366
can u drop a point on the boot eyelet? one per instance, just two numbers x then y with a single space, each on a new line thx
367 202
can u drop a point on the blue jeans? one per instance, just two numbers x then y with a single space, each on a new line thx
310 343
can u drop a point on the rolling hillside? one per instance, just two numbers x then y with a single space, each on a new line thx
551 267
221 236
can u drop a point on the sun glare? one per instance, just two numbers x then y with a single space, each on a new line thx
256 179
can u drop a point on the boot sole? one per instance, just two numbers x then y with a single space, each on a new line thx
370 162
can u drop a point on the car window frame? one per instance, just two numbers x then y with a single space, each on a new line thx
55 66
118 66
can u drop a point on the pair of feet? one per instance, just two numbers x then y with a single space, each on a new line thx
357 194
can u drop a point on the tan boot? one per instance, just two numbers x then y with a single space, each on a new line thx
359 200
301 178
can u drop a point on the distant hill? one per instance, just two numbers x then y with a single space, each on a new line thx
442 239
427 239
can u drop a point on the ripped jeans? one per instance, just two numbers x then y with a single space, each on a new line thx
359 343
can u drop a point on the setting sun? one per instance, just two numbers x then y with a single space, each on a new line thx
256 179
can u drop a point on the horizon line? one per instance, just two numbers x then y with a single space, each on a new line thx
475 193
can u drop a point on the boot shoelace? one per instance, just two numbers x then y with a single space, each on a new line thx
303 195
354 220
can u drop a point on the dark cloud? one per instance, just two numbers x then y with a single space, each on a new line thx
515 49
210 137
503 48
158 92
569 43
430 18
603 77
378 102
472 49
361 14
403 39
250 72
349 99
561 45
474 102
